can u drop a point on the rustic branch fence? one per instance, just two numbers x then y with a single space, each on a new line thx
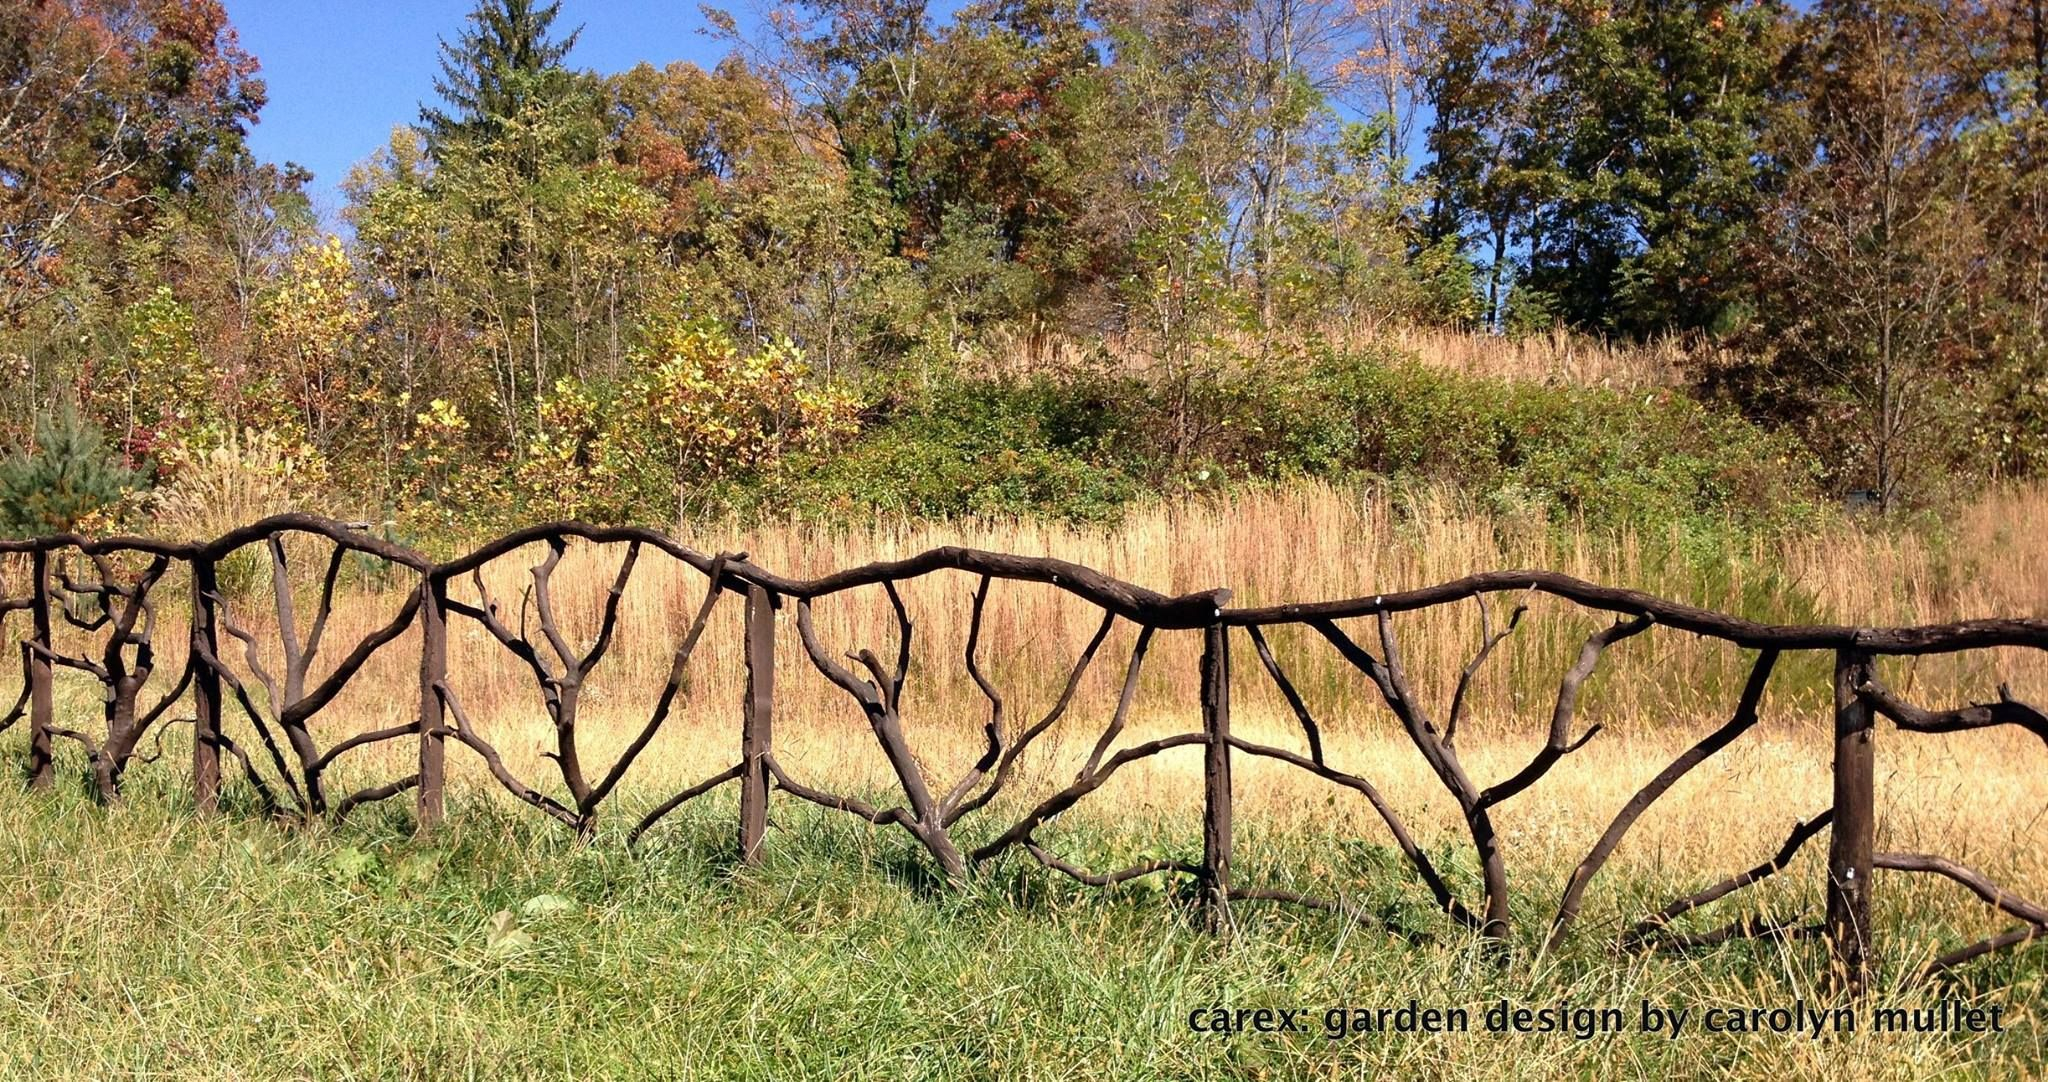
121 601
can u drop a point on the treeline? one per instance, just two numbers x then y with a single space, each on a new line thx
672 289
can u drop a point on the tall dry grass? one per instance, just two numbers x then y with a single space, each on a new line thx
1300 543
1295 544
1560 356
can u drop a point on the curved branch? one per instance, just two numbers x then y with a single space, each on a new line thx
991 732
1488 639
1439 889
373 794
1123 703
465 733
1293 697
1108 879
1068 797
1990 893
851 805
374 736
325 691
1649 927
1059 709
2006 711
611 610
1559 744
684 797
678 676
1745 717
2013 938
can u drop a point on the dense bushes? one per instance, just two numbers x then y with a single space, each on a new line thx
1082 444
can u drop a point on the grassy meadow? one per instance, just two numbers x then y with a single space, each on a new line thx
142 941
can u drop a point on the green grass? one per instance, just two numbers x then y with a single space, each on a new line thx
144 941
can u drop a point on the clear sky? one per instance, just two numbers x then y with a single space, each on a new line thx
343 73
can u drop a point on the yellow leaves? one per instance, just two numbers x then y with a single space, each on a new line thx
316 313
696 409
442 417
732 411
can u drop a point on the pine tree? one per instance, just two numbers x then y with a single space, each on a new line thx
499 60
70 474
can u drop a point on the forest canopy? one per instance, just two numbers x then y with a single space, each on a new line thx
1036 256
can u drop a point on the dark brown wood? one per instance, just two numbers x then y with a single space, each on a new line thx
1560 744
205 689
2033 913
116 604
1415 854
730 773
672 688
289 702
1745 717
42 708
1851 844
1216 788
1977 882
757 730
1441 756
430 800
1924 639
1651 928
1088 782
880 700
2006 711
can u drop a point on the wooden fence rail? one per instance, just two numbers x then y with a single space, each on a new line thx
96 586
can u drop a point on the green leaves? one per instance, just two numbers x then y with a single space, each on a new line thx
351 864
504 938
544 906
69 477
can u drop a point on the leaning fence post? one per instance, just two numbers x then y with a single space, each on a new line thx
1216 777
205 688
433 672
1851 842
758 726
41 710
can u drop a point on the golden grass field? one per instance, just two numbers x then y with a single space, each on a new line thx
1654 694
1979 798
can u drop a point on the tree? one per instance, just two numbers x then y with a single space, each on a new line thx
111 105
1486 173
504 56
1870 253
1657 118
68 476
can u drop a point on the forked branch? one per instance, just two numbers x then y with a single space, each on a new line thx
1560 743
1650 931
1488 639
2006 711
1744 718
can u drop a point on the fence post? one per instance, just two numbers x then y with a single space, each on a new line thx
205 689
1216 832
758 727
41 710
433 671
1850 843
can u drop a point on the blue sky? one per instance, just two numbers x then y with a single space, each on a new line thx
343 73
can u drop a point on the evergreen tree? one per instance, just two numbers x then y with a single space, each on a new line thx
69 474
502 57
